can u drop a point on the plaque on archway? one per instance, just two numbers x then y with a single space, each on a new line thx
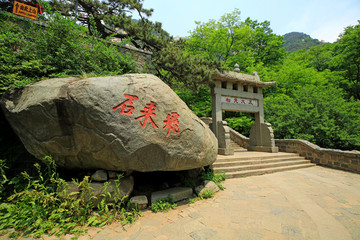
238 92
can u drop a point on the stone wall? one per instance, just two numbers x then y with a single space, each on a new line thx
240 139
334 158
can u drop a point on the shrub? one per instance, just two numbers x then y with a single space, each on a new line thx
56 48
43 205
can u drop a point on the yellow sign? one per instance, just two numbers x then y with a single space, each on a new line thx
25 10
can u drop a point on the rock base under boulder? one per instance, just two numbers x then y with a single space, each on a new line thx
177 194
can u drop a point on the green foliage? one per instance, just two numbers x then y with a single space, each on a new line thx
347 59
318 114
314 98
3 178
171 59
59 47
231 41
103 17
295 41
175 63
193 199
208 193
163 205
198 101
242 124
44 205
217 178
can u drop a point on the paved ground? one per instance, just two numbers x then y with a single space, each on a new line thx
310 203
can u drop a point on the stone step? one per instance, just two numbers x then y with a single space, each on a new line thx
233 144
240 149
238 162
252 156
260 166
236 146
246 173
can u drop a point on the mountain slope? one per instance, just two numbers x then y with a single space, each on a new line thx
295 41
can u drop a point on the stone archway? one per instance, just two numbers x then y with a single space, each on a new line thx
238 92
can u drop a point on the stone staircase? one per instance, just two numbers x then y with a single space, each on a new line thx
236 147
245 163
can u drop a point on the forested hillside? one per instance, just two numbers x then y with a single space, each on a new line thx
295 41
318 89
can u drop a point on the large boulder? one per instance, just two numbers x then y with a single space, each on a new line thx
129 122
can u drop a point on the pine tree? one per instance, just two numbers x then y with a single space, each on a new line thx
115 18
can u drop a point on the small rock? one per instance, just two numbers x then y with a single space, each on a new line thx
194 173
125 189
198 189
128 173
164 185
112 174
208 185
99 176
140 202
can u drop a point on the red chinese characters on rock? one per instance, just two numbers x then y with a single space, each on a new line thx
148 112
172 122
127 108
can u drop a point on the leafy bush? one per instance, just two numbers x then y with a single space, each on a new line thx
44 206
58 47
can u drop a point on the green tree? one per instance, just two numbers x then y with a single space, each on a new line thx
30 52
266 45
321 56
347 59
319 114
115 18
293 74
234 41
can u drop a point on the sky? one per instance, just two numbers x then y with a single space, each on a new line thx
321 19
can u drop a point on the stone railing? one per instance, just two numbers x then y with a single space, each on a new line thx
334 158
240 139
